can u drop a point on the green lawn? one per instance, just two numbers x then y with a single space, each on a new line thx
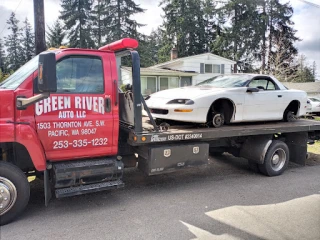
315 148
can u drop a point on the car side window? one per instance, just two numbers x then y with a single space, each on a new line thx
80 74
271 86
259 83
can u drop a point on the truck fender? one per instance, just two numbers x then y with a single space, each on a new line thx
255 148
6 133
28 137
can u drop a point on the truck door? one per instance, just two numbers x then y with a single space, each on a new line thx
77 120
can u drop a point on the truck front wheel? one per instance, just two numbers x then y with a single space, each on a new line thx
276 159
14 192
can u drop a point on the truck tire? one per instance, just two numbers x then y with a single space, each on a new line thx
276 159
14 192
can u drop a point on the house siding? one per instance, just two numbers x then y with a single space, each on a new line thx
126 77
193 64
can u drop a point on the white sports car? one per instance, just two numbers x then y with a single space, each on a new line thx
228 99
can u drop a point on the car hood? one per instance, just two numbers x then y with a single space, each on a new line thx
185 92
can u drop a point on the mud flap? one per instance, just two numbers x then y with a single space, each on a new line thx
47 188
297 144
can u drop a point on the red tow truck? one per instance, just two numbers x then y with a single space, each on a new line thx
64 120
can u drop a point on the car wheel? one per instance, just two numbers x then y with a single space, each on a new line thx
218 120
289 116
276 159
14 192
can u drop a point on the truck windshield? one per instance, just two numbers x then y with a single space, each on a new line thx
21 74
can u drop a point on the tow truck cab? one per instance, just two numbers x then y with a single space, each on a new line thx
63 119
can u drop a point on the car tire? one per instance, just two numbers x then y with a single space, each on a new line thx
14 192
276 159
217 120
289 116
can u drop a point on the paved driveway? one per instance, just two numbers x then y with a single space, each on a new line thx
222 201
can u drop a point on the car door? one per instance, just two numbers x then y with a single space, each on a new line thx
77 121
266 104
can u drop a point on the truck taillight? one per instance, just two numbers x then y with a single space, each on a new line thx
120 44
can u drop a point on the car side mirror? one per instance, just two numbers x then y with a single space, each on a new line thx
251 90
47 79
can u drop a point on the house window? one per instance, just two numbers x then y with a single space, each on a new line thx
215 68
208 68
212 68
168 82
148 85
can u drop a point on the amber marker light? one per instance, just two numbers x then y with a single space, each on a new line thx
135 138
183 110
143 139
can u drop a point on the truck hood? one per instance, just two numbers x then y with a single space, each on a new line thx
186 92
6 105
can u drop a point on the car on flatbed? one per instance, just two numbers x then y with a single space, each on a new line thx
230 98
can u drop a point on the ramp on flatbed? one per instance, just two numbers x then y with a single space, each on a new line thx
190 132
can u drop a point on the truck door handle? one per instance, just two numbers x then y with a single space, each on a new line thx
108 105
279 95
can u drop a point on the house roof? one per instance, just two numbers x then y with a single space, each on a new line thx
309 87
161 72
184 58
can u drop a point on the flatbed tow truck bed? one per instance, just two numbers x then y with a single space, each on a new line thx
190 132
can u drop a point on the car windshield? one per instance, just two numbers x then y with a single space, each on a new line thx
226 81
21 74
314 99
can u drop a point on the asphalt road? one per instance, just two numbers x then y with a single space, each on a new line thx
225 200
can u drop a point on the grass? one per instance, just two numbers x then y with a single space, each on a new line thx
315 148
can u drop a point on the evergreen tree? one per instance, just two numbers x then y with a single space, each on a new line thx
13 44
149 48
118 22
101 17
28 46
76 15
239 41
2 57
280 28
185 26
55 35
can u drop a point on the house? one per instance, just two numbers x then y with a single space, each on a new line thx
312 88
206 65
157 79
179 72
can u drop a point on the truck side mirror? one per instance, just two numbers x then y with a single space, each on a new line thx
47 79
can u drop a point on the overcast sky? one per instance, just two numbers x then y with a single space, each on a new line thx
306 18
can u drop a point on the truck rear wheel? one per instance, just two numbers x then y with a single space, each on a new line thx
14 192
276 159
